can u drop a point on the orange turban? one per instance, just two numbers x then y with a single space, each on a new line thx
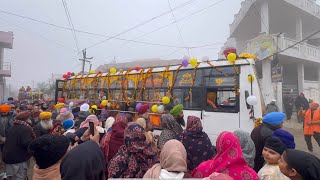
315 105
4 108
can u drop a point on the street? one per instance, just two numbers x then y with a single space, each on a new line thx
296 130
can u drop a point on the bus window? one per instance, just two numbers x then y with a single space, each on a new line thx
192 101
221 100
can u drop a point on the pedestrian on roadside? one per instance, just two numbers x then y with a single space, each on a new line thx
302 104
288 105
312 125
272 107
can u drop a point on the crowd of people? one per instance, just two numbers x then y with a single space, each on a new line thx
83 142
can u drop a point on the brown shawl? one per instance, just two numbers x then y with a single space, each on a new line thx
52 172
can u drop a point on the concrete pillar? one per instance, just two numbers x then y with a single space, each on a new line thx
2 79
299 28
266 81
264 13
318 100
300 67
266 64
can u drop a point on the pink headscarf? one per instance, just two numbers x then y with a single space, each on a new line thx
91 118
228 160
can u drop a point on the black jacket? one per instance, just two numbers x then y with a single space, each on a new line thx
302 102
15 148
86 161
6 123
39 130
259 136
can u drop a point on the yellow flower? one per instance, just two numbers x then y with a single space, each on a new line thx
247 55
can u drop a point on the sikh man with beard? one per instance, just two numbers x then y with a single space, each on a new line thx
45 124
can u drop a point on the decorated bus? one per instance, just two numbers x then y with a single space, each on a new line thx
224 94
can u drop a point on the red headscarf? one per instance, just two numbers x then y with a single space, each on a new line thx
228 160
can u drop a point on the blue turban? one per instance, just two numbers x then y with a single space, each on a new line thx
274 118
68 124
285 137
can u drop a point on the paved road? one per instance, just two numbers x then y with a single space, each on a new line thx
296 130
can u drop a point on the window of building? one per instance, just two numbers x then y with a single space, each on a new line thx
311 73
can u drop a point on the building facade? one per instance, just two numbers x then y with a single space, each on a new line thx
6 41
279 33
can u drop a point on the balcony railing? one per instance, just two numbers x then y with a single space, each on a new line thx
309 6
245 6
301 50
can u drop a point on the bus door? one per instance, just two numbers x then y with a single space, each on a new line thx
221 112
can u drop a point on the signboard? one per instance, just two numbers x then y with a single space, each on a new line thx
276 73
262 47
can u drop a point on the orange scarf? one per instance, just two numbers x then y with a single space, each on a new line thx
52 172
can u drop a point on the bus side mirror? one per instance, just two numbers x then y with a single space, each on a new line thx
246 96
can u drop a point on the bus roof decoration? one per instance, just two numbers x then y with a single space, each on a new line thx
155 78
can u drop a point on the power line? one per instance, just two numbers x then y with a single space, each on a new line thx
214 4
101 35
38 35
179 31
141 24
70 24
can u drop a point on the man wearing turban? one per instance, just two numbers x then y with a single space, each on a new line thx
45 124
6 123
311 125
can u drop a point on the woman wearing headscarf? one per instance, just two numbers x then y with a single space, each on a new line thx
85 124
229 160
114 139
135 157
171 129
172 164
57 127
247 146
84 161
196 142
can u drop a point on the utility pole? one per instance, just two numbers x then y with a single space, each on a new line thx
90 67
84 60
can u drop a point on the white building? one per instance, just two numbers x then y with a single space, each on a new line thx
6 41
264 27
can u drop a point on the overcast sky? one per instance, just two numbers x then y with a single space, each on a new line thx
40 50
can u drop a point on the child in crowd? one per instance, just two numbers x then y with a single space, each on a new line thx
271 153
